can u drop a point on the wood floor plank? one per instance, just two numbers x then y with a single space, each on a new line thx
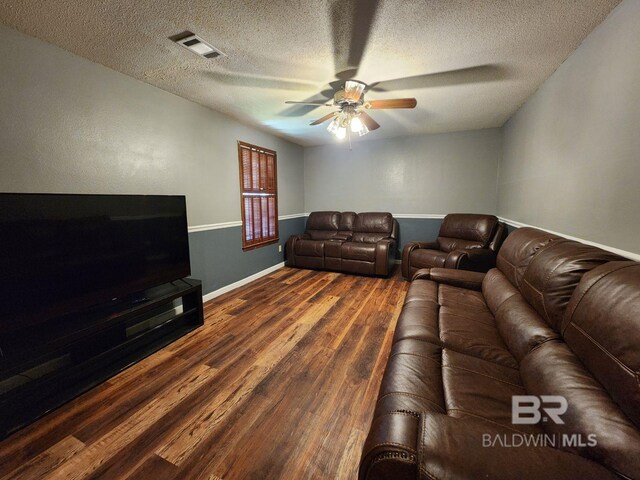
178 449
280 382
90 459
43 464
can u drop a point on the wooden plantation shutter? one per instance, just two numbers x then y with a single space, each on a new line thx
258 195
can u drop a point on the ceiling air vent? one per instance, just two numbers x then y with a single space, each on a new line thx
195 44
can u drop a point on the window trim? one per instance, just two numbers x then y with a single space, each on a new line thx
275 239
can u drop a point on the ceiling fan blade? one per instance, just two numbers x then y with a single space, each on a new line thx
317 104
368 121
353 90
478 74
325 118
351 21
392 103
244 80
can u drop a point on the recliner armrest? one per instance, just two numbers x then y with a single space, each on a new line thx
385 256
463 448
410 247
289 250
474 259
456 278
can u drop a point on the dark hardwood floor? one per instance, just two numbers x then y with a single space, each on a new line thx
280 382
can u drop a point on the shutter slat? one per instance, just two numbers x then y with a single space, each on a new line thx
263 171
264 208
257 219
271 184
246 168
248 220
255 170
272 217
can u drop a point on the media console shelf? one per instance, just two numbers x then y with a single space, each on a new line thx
44 366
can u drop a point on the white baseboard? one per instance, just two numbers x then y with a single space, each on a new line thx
617 251
240 283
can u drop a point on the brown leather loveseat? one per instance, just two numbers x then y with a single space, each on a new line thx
466 241
557 320
363 243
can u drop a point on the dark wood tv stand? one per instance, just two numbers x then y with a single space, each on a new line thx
44 366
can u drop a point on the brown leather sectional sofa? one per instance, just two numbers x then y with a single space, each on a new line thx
363 243
465 241
555 318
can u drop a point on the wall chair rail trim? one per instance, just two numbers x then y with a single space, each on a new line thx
237 223
618 251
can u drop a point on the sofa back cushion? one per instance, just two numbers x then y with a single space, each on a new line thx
602 327
345 226
469 229
323 225
370 227
554 273
519 249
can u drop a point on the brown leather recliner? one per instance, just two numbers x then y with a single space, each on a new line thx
466 241
555 318
363 243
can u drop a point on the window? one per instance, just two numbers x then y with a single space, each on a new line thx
258 195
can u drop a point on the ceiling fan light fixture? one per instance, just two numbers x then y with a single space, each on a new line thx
357 126
333 126
341 133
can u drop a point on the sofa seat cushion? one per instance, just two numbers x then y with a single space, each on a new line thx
424 377
365 252
462 299
425 258
413 379
419 321
478 337
475 388
455 318
310 248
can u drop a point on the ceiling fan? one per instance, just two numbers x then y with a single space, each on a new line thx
351 117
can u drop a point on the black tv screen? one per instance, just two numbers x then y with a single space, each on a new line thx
64 253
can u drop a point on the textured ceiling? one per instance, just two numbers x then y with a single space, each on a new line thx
470 63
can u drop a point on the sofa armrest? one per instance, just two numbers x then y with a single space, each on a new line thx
474 259
385 256
455 278
406 253
390 450
463 448
422 274
290 257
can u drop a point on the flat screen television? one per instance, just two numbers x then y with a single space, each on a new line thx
60 253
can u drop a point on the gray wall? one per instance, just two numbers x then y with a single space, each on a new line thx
571 159
429 174
72 126
218 260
